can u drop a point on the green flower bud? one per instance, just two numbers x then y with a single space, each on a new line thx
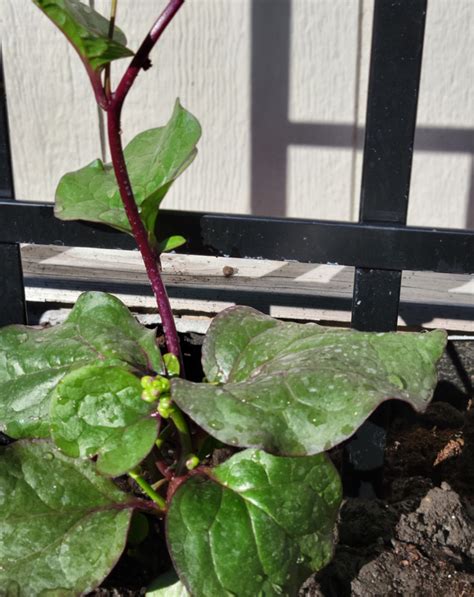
192 462
146 381
161 384
154 387
149 396
165 407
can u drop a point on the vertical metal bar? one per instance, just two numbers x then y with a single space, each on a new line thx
6 176
395 69
12 291
12 297
271 25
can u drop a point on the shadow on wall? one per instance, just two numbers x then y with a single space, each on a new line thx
273 132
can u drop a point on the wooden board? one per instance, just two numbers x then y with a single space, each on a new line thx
199 286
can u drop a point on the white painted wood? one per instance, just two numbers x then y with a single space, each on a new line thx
205 58
318 183
52 114
53 274
443 183
323 61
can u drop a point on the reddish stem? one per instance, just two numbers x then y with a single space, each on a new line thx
141 58
114 110
150 258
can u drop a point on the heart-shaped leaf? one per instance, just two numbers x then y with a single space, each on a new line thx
98 411
33 361
258 526
62 526
301 388
87 30
155 158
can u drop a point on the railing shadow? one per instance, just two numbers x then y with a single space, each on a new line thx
272 133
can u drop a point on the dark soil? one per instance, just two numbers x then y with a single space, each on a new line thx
418 541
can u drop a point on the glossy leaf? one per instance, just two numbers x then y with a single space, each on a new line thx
155 158
62 526
98 411
167 585
301 388
259 526
99 329
87 30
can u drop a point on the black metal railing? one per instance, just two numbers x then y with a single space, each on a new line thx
380 246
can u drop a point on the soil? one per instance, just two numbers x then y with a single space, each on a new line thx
419 539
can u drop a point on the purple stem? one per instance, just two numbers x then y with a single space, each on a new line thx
150 258
97 87
114 110
141 58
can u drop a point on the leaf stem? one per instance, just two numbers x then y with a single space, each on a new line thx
184 438
97 87
148 489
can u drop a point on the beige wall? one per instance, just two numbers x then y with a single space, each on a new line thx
225 59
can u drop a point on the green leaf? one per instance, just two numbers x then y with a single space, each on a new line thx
100 329
62 526
155 158
98 410
167 585
259 526
172 364
87 30
301 388
139 529
171 243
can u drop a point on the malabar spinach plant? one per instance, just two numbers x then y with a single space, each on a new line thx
113 441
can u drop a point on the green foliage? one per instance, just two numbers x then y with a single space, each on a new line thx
154 158
171 243
97 410
258 526
167 585
301 388
87 31
63 526
171 364
100 329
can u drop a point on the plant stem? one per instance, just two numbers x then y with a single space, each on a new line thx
184 438
148 490
97 87
150 259
114 110
141 58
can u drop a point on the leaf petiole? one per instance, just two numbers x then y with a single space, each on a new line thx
148 490
184 438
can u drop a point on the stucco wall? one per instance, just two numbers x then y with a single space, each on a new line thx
280 89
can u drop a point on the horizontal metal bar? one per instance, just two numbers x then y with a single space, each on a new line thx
377 246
